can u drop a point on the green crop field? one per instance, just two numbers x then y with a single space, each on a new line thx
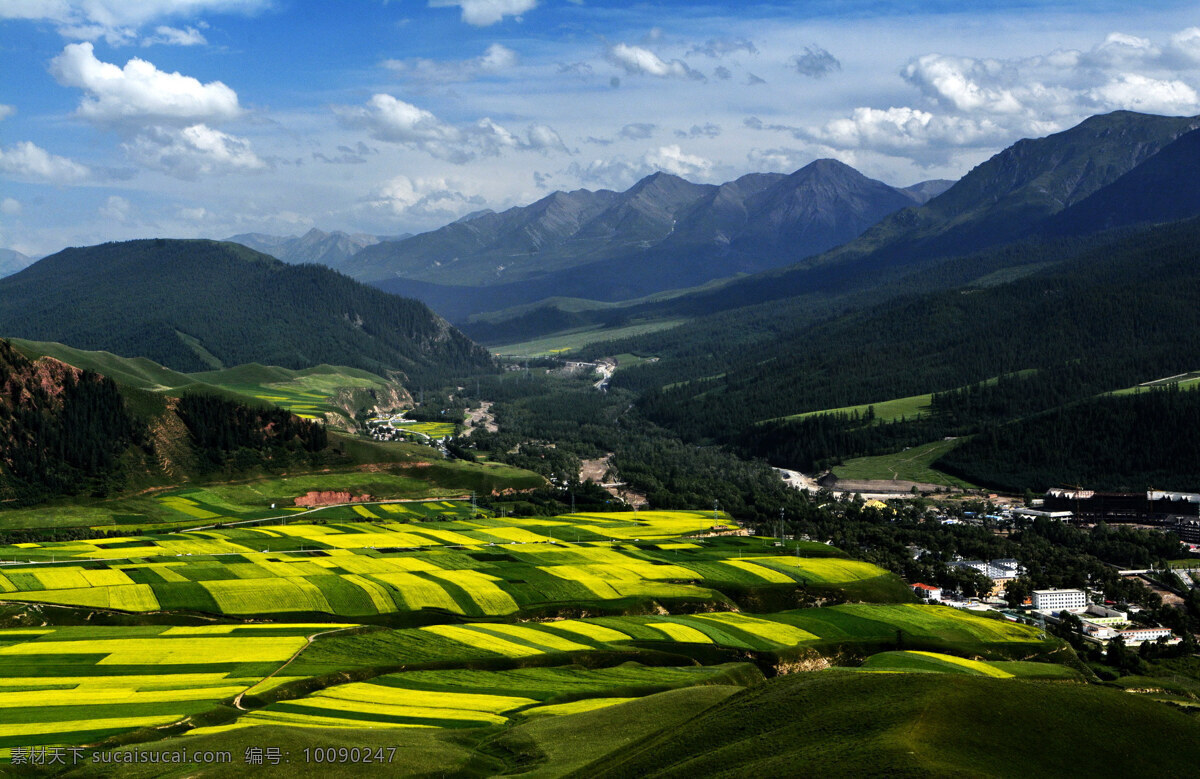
452 567
73 685
915 464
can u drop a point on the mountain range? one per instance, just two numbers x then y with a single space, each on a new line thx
1105 172
663 233
331 249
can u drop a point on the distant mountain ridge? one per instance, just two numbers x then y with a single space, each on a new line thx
331 249
662 233
196 305
12 261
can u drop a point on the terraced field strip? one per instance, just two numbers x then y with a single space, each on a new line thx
455 698
72 685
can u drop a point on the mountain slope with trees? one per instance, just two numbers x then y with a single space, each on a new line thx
197 305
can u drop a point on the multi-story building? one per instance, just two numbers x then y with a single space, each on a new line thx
1059 600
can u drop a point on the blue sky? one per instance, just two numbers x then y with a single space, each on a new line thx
188 118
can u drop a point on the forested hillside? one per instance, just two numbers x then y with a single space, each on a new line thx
204 304
1107 318
1126 442
65 431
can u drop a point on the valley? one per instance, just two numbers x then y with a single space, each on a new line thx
776 475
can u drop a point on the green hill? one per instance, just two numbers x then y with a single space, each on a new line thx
201 305
916 725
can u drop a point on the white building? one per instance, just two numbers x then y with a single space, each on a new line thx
927 592
1058 600
1138 635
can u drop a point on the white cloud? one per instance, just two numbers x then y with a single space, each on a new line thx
1139 93
987 103
6 111
116 209
620 173
173 36
905 130
636 60
192 151
139 91
962 83
192 214
390 119
425 199
495 60
673 159
10 207
28 161
482 13
116 20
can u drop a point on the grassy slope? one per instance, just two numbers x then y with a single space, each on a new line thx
570 340
919 725
915 464
306 392
551 746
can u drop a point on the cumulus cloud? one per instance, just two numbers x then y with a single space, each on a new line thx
815 62
987 103
673 159
26 160
1140 93
139 91
496 59
903 130
619 172
1064 86
429 199
482 13
720 47
117 20
636 60
6 111
393 120
193 151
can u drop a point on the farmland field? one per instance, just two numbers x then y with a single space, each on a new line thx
410 560
431 617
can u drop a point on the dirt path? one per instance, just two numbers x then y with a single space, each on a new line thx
237 702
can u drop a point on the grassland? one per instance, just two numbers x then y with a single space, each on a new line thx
564 342
308 393
890 410
915 725
915 464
